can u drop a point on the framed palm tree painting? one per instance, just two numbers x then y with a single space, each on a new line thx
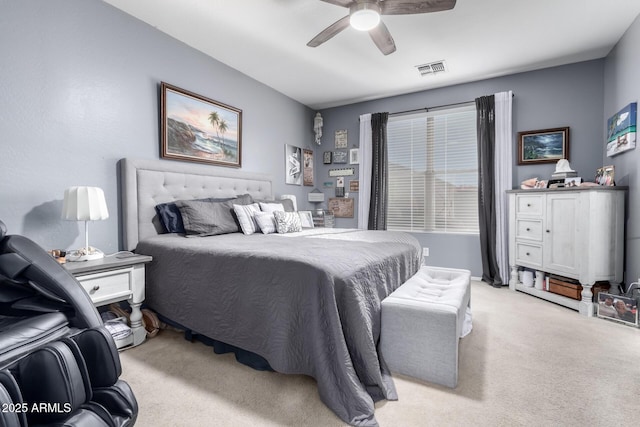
199 129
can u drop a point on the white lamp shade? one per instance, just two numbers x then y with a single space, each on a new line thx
84 204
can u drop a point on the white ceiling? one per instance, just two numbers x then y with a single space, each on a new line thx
478 39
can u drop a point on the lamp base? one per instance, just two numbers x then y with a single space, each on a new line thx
85 255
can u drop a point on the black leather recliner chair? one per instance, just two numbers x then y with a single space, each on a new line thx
58 364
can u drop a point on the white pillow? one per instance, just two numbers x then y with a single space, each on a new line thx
265 221
287 222
271 207
245 217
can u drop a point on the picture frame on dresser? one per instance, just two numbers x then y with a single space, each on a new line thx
605 176
543 146
198 129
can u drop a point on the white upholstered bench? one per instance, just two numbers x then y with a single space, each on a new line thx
422 322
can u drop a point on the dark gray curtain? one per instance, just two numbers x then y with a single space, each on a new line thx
378 203
485 107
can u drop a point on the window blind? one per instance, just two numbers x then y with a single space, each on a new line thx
433 171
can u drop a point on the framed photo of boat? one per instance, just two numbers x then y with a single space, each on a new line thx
199 129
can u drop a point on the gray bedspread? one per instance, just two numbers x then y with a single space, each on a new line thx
308 302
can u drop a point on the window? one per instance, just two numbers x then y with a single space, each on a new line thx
433 171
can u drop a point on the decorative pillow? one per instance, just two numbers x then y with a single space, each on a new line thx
288 205
244 199
266 222
245 217
287 222
271 207
171 219
207 218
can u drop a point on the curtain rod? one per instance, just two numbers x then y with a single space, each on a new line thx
427 109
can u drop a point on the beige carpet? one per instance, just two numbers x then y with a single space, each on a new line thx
527 362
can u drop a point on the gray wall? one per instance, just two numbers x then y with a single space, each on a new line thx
79 89
621 87
570 95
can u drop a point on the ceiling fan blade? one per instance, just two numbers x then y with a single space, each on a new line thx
410 7
329 32
382 38
343 3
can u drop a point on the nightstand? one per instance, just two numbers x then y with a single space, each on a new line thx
112 279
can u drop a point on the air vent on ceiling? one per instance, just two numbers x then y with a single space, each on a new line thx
432 68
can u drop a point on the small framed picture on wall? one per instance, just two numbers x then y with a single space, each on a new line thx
307 156
293 164
326 158
354 156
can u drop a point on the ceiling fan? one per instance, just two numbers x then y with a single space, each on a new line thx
364 15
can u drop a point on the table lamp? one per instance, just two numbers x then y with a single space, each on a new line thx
84 204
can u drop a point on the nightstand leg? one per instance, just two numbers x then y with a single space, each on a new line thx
138 330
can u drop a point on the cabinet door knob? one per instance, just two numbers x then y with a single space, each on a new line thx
96 287
527 253
548 231
528 205
528 229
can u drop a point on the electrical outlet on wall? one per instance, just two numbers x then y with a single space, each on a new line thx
425 251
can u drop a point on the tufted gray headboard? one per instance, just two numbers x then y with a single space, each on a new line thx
145 183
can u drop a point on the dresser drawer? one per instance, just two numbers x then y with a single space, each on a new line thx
529 255
529 204
529 229
108 286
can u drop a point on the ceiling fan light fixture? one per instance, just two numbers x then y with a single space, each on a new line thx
364 16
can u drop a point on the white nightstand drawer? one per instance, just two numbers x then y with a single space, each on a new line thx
108 286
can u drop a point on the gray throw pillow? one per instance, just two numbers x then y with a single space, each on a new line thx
205 218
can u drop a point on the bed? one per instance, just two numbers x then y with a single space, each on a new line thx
307 302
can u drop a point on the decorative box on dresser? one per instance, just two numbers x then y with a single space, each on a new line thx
113 279
575 232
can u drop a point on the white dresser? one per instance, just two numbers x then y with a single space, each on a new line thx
573 232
